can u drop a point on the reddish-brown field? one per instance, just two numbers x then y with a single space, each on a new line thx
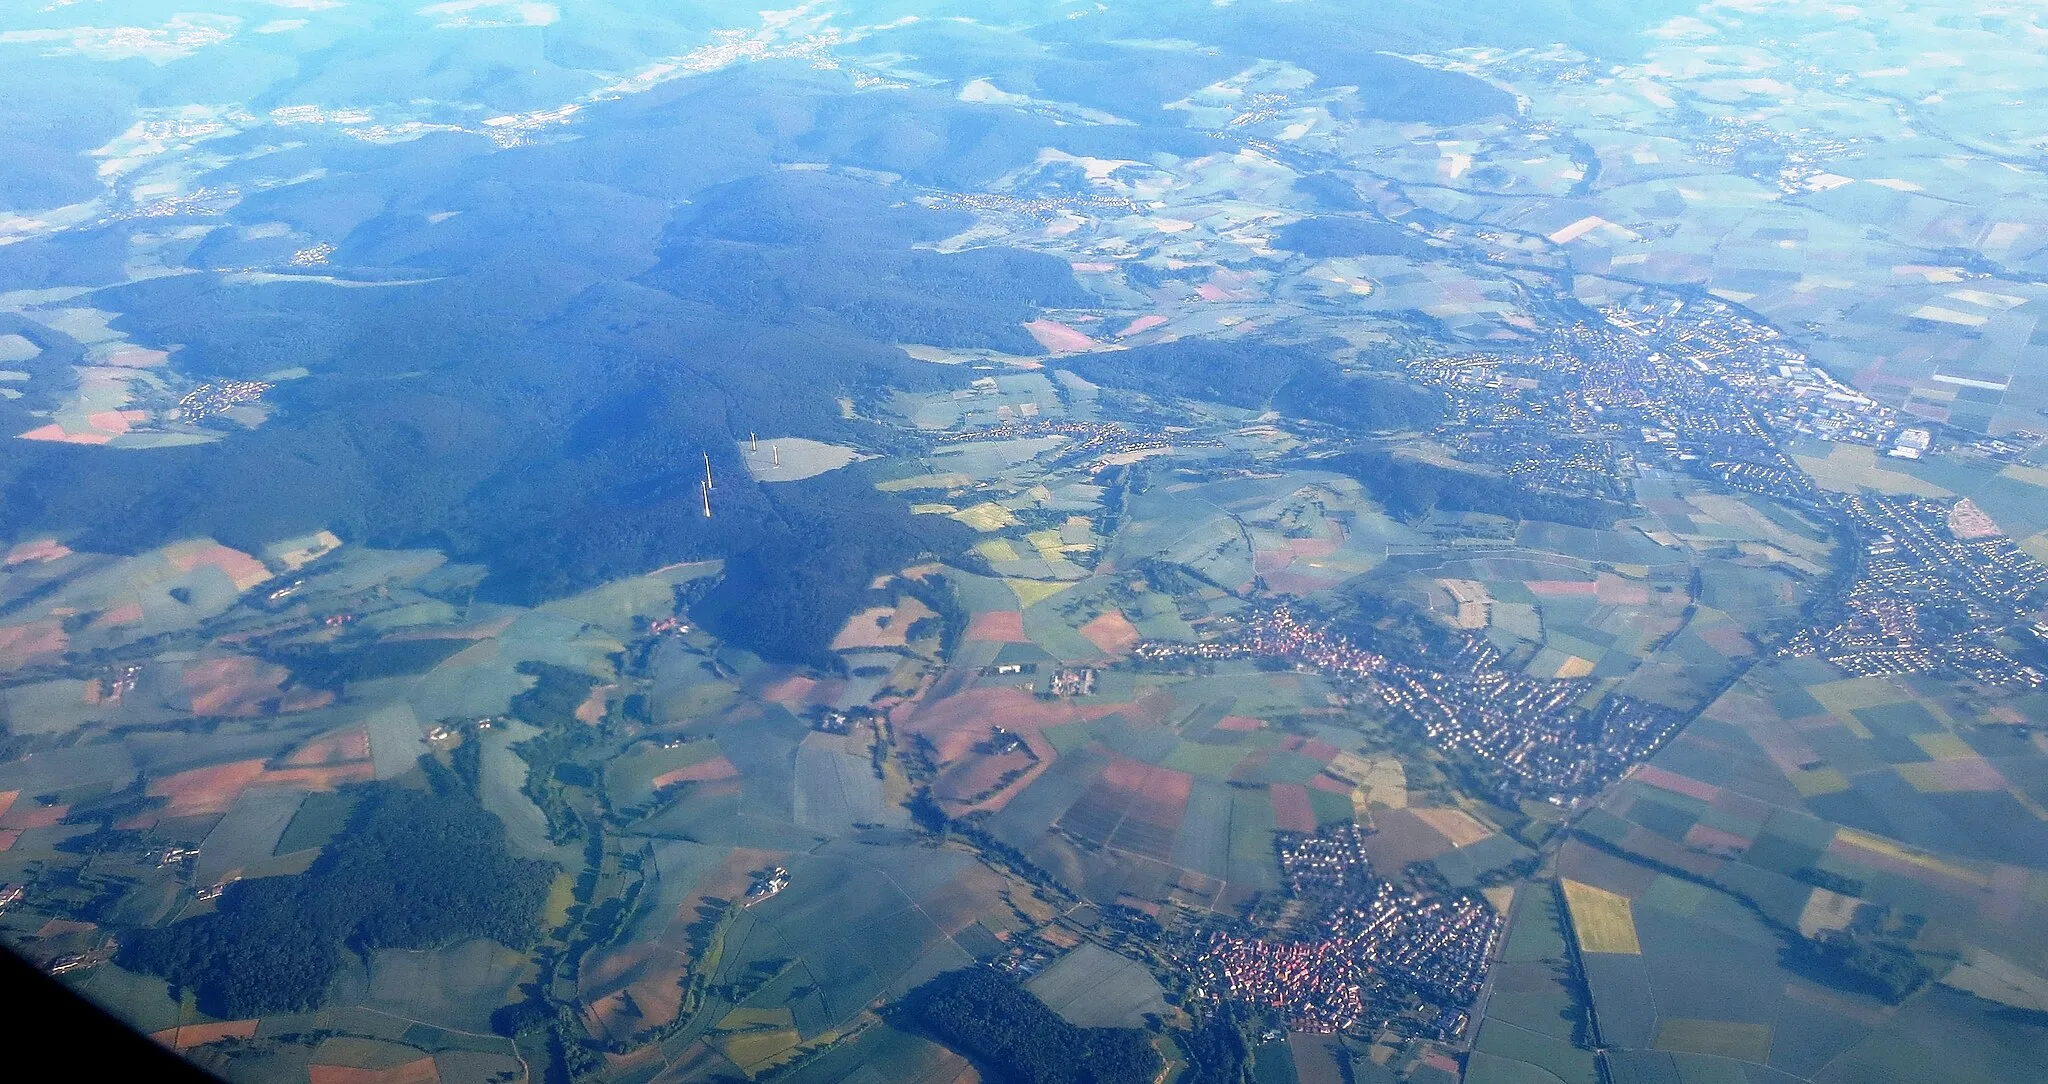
955 724
998 626
794 689
243 570
127 613
614 1017
1132 806
341 748
1287 551
236 685
41 549
1112 632
704 771
651 971
1312 749
36 642
323 777
1714 840
1058 337
1676 784
214 788
304 700
1327 782
1561 588
61 435
420 1071
882 626
1241 724
8 836
205 790
591 711
115 421
191 1035
32 815
1291 811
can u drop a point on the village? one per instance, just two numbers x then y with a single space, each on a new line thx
1368 955
1530 734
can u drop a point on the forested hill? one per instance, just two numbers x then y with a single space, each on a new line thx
1298 380
1411 489
544 337
538 391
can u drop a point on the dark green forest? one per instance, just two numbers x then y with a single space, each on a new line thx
1298 380
1330 235
984 1014
556 462
536 388
333 666
1411 489
414 870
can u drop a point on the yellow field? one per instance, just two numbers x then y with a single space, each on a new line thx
925 481
2033 476
1817 782
1574 667
742 1019
1928 779
932 509
1853 694
1881 846
750 1050
986 516
1826 910
1720 1038
561 895
1456 825
2028 803
996 549
1048 544
297 553
1849 468
1472 601
1944 746
1603 920
1030 592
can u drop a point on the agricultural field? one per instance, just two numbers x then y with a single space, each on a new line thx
1161 506
1805 805
1095 988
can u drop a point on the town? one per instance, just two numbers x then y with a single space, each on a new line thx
1530 735
1093 443
1939 583
208 400
1370 955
